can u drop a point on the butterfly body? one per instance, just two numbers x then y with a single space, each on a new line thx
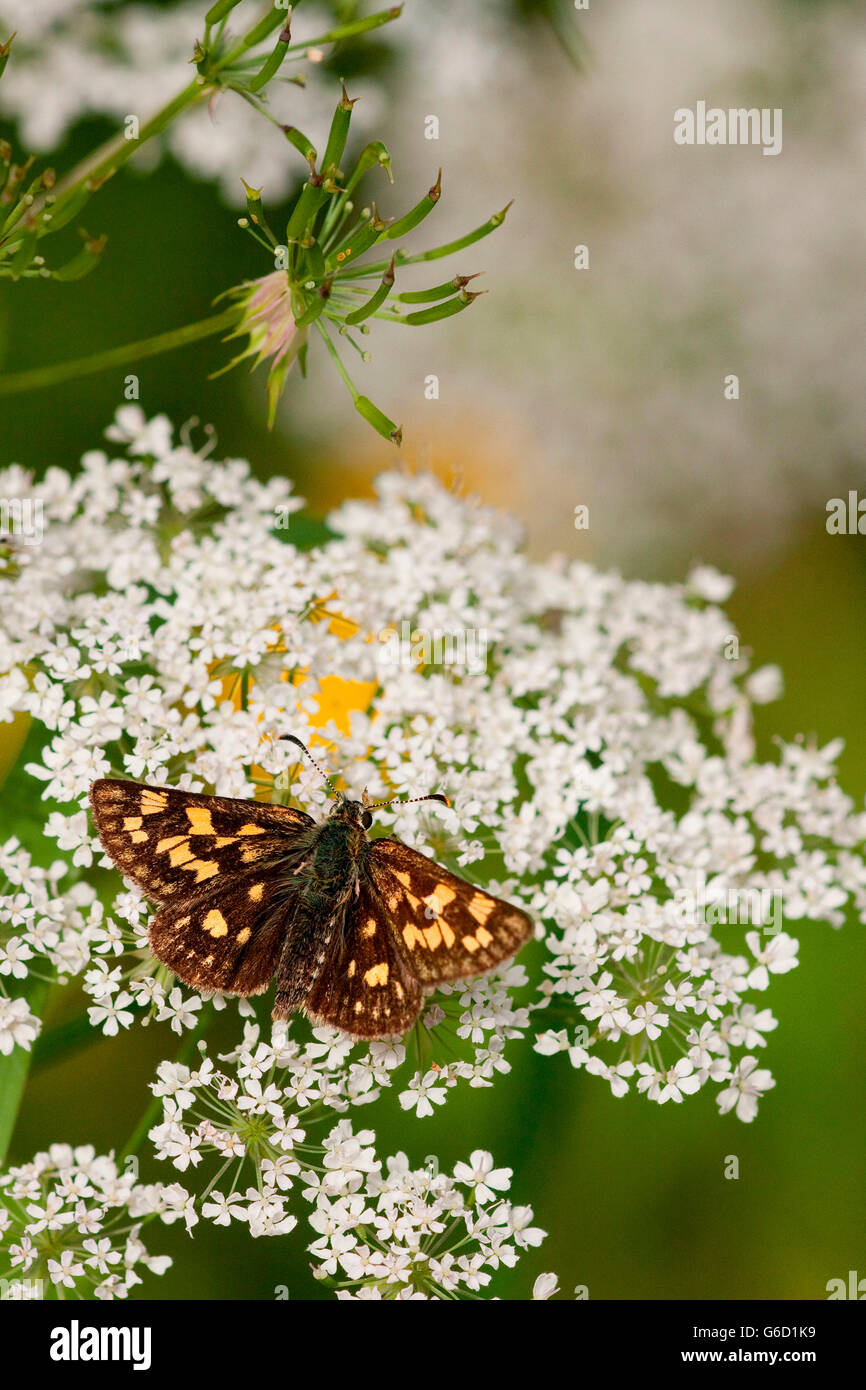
356 931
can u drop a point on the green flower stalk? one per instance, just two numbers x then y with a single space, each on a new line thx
320 276
223 60
25 216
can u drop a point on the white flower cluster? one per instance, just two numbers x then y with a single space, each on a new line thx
71 1218
601 768
159 583
255 1125
42 930
74 59
254 1122
391 1235
397 1234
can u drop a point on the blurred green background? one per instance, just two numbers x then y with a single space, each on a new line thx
633 1195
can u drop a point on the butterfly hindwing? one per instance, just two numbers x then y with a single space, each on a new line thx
447 928
171 842
364 986
226 936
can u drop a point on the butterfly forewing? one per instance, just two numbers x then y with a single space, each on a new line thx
446 928
171 842
226 936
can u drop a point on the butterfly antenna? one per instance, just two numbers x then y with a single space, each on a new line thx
407 800
290 738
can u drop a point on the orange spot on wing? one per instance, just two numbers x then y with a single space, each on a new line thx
377 974
199 820
165 845
215 923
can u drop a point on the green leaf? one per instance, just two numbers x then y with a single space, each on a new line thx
262 30
219 10
301 143
352 30
380 422
437 292
82 264
416 214
448 250
271 66
441 311
317 306
307 206
372 154
372 304
255 211
338 135
359 240
25 253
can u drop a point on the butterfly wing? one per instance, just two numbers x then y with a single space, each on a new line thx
447 928
355 979
171 842
227 935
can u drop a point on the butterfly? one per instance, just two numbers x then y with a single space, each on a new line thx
356 931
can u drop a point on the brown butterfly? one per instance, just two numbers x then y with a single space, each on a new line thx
357 931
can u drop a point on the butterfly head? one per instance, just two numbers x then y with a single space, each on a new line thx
353 812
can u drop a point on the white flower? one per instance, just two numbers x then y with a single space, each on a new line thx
220 1210
480 1173
649 1019
745 1090
182 1011
545 1286
765 685
776 958
617 1075
679 1080
710 584
423 1094
18 1026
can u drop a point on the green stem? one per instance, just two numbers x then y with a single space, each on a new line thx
127 355
337 359
102 163
14 1071
351 30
